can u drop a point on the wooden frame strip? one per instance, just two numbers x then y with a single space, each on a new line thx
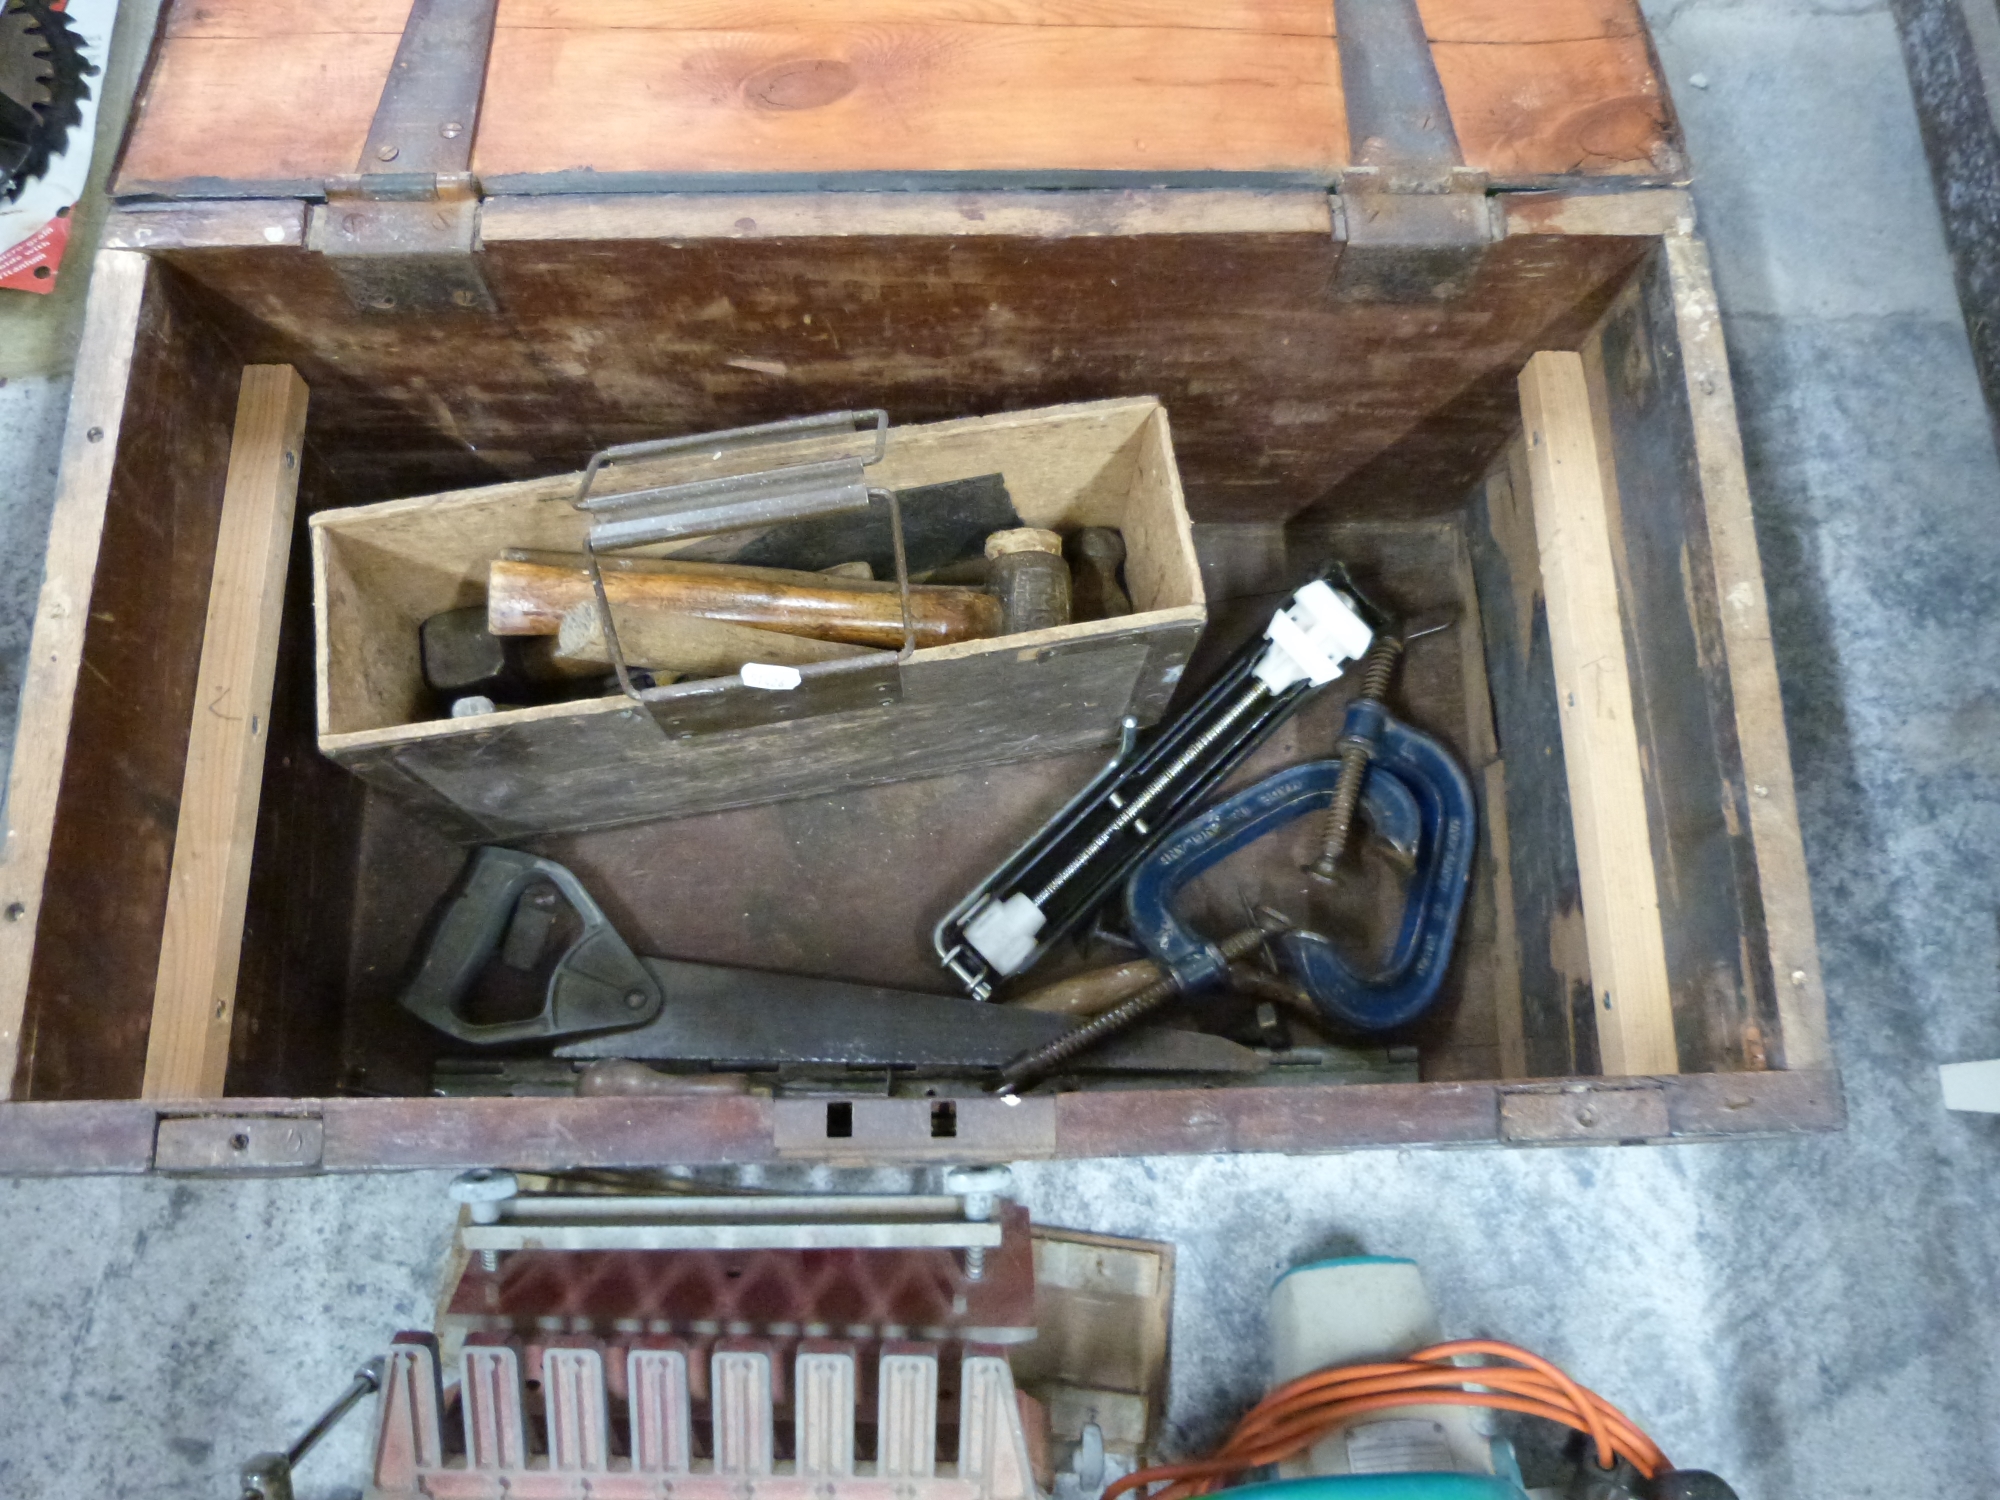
1753 667
194 999
55 654
1574 504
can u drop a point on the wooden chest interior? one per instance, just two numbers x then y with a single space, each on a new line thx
1308 423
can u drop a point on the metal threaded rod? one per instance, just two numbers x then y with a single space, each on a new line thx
1029 1067
1376 671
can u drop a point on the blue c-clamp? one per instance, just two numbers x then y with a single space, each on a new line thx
1415 797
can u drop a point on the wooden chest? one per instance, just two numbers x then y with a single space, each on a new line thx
671 219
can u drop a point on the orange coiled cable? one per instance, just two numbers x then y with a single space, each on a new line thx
1294 1417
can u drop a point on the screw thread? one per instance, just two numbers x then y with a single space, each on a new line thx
1377 669
1045 1059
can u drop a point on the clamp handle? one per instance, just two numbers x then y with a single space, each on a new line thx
597 985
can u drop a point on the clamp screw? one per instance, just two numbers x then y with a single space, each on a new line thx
1030 1066
1376 671
482 1192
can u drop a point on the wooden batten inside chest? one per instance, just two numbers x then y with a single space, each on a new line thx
1307 422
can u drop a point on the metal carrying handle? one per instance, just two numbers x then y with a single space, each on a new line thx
732 502
597 985
736 437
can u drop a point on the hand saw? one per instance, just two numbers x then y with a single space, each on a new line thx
602 1000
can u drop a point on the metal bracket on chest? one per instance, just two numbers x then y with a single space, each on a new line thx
1416 221
402 230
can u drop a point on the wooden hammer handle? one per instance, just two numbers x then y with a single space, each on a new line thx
524 598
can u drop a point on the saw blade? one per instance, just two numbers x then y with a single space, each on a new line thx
722 1016
43 83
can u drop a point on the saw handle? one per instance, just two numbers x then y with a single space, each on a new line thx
597 985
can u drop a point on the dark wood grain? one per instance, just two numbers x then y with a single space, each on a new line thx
1277 1119
1283 397
1560 1035
1771 1103
603 769
75 1139
1711 905
541 1134
90 990
293 976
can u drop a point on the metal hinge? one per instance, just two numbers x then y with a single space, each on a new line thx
1416 221
239 1144
402 230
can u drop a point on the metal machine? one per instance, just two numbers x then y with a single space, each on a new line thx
620 1344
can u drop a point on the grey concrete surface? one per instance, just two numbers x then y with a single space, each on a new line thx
1815 1319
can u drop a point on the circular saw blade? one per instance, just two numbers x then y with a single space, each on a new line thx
43 83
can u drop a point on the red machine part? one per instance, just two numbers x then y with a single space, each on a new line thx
787 1294
552 1425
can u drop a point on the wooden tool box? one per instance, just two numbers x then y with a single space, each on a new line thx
718 743
674 218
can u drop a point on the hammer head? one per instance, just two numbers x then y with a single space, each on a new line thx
461 656
463 659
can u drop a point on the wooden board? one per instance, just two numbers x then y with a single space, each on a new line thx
1527 790
111 334
615 340
201 944
1711 904
1022 91
1799 994
1575 520
298 928
372 1134
141 554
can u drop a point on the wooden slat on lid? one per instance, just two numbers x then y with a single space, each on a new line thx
580 91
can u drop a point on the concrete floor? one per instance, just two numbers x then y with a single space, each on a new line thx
1812 1319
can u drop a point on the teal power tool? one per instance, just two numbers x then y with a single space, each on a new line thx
1369 1401
1413 796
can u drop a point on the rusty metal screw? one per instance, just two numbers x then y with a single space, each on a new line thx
1031 1066
1376 671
